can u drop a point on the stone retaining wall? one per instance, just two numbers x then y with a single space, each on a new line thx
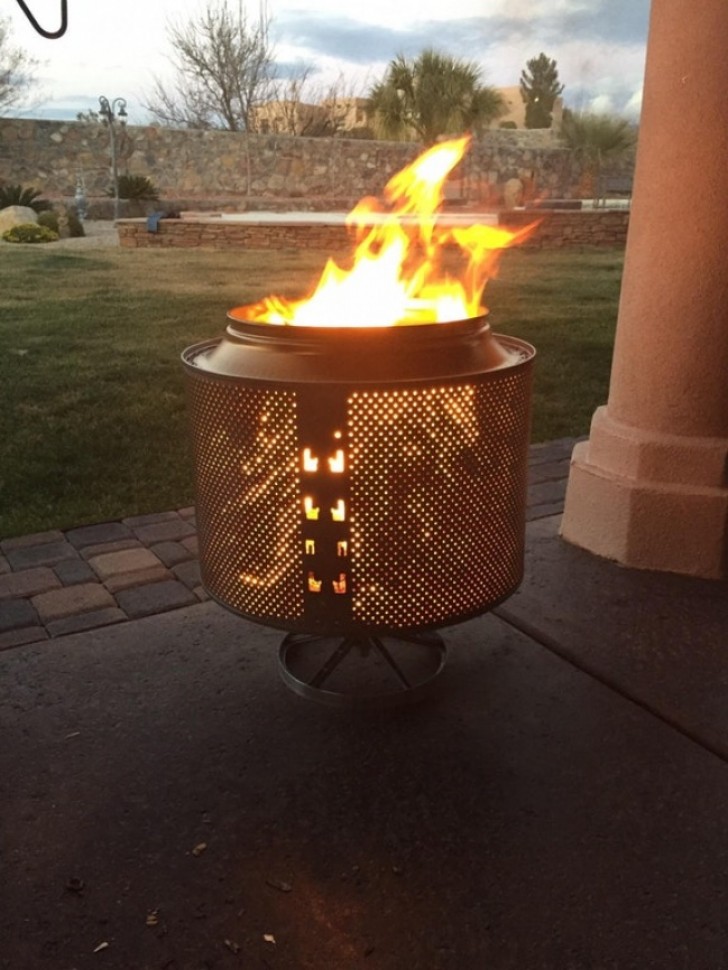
557 229
229 170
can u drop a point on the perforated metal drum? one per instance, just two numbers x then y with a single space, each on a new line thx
354 481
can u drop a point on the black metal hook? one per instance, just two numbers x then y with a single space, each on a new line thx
50 34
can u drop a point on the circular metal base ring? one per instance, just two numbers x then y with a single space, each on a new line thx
364 672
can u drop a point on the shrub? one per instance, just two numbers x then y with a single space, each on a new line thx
75 226
17 195
29 232
50 219
135 187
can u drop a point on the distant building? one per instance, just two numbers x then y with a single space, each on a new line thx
515 109
515 114
327 117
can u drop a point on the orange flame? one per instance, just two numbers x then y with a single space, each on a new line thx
397 274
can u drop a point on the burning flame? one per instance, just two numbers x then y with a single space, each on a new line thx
397 274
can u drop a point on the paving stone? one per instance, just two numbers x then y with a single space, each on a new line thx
86 621
126 561
552 450
16 614
90 551
142 577
546 493
74 571
192 543
155 598
72 599
544 511
135 521
548 471
171 553
4 566
17 638
47 554
36 539
188 513
28 582
168 531
93 535
188 573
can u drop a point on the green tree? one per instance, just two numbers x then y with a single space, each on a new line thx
540 87
595 139
16 71
434 94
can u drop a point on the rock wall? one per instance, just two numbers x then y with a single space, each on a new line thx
229 170
558 229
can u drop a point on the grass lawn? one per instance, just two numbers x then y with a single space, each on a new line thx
92 409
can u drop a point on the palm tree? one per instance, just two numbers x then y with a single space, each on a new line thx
596 138
434 94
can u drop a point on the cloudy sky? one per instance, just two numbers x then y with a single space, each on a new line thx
116 49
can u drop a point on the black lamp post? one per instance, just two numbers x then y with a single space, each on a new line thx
110 110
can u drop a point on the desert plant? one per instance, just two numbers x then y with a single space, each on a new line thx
137 187
29 232
51 219
18 195
431 95
595 139
75 226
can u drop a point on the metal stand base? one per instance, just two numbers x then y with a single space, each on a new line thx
362 671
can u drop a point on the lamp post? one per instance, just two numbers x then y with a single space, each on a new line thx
110 110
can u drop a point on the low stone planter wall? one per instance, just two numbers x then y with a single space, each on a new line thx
224 234
561 228
556 229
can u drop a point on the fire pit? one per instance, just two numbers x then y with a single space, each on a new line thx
360 487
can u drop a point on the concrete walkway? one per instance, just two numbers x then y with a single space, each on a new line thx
165 802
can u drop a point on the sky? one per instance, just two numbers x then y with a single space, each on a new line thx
117 49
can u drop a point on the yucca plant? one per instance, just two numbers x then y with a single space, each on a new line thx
595 139
18 195
137 187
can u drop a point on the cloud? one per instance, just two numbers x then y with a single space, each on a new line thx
352 40
634 105
360 42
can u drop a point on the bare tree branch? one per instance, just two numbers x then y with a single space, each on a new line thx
16 71
223 68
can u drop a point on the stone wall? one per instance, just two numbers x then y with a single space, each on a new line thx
556 229
229 170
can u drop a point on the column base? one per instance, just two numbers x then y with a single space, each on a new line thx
649 501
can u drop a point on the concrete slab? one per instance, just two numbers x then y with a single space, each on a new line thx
529 818
659 638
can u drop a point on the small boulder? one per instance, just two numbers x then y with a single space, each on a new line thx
513 193
16 215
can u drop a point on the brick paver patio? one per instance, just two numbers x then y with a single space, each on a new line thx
55 583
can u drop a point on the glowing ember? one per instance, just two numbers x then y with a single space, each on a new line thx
397 274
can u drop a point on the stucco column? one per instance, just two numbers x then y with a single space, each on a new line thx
650 487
